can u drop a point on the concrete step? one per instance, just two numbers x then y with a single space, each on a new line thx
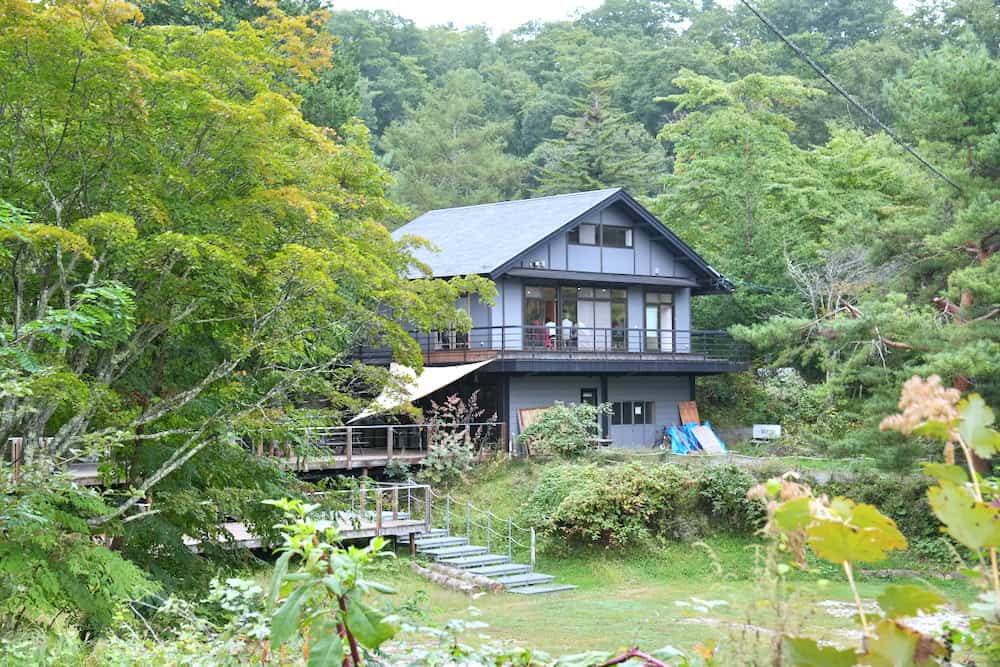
527 579
503 570
426 535
453 552
441 542
474 561
538 589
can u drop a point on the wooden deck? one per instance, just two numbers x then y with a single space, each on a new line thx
242 538
359 460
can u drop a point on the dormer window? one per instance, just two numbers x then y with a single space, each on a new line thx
608 236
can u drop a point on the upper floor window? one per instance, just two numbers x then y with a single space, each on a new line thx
608 236
616 237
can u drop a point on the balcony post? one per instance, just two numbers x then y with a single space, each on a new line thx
388 443
349 447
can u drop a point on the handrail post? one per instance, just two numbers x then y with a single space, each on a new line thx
489 531
510 539
378 512
362 501
468 518
447 513
409 509
427 508
532 549
395 503
349 447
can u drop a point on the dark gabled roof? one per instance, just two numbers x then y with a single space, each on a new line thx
488 239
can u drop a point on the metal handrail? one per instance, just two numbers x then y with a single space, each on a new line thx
585 341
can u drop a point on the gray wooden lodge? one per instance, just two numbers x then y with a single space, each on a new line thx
594 305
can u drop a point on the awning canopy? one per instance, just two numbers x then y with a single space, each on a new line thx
406 386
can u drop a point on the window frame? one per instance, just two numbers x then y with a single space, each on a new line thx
573 236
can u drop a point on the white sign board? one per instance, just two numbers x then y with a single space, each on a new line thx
766 431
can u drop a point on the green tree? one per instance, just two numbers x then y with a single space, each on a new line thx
184 251
744 194
448 153
599 147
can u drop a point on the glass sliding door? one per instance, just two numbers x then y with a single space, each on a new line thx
659 321
540 308
575 318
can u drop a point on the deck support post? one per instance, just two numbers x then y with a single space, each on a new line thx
427 508
510 539
388 443
532 549
413 544
349 447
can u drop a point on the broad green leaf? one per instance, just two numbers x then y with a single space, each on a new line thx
974 427
952 473
907 600
895 645
974 524
277 577
805 652
327 649
793 514
862 534
368 625
934 429
286 620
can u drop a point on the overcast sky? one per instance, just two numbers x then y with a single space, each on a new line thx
500 15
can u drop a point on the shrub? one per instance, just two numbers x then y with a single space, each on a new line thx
623 505
564 430
452 448
722 495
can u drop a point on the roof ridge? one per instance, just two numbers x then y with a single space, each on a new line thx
519 201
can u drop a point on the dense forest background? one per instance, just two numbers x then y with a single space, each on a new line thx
853 263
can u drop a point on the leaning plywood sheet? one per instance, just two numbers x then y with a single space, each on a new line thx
708 440
528 416
689 412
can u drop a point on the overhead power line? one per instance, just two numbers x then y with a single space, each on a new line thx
857 105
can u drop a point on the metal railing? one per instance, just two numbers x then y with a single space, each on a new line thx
371 504
356 446
534 341
484 527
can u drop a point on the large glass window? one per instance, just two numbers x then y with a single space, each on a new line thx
584 318
540 315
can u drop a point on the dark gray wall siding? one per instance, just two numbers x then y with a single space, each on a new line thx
665 391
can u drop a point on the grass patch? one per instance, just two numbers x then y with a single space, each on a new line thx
632 598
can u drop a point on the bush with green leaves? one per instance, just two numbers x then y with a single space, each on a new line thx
565 429
624 505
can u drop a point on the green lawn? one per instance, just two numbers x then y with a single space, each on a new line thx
631 599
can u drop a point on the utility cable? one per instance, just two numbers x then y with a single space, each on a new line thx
836 86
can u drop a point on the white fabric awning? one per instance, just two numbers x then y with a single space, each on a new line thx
407 386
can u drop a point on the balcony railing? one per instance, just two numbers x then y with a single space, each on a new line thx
576 342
